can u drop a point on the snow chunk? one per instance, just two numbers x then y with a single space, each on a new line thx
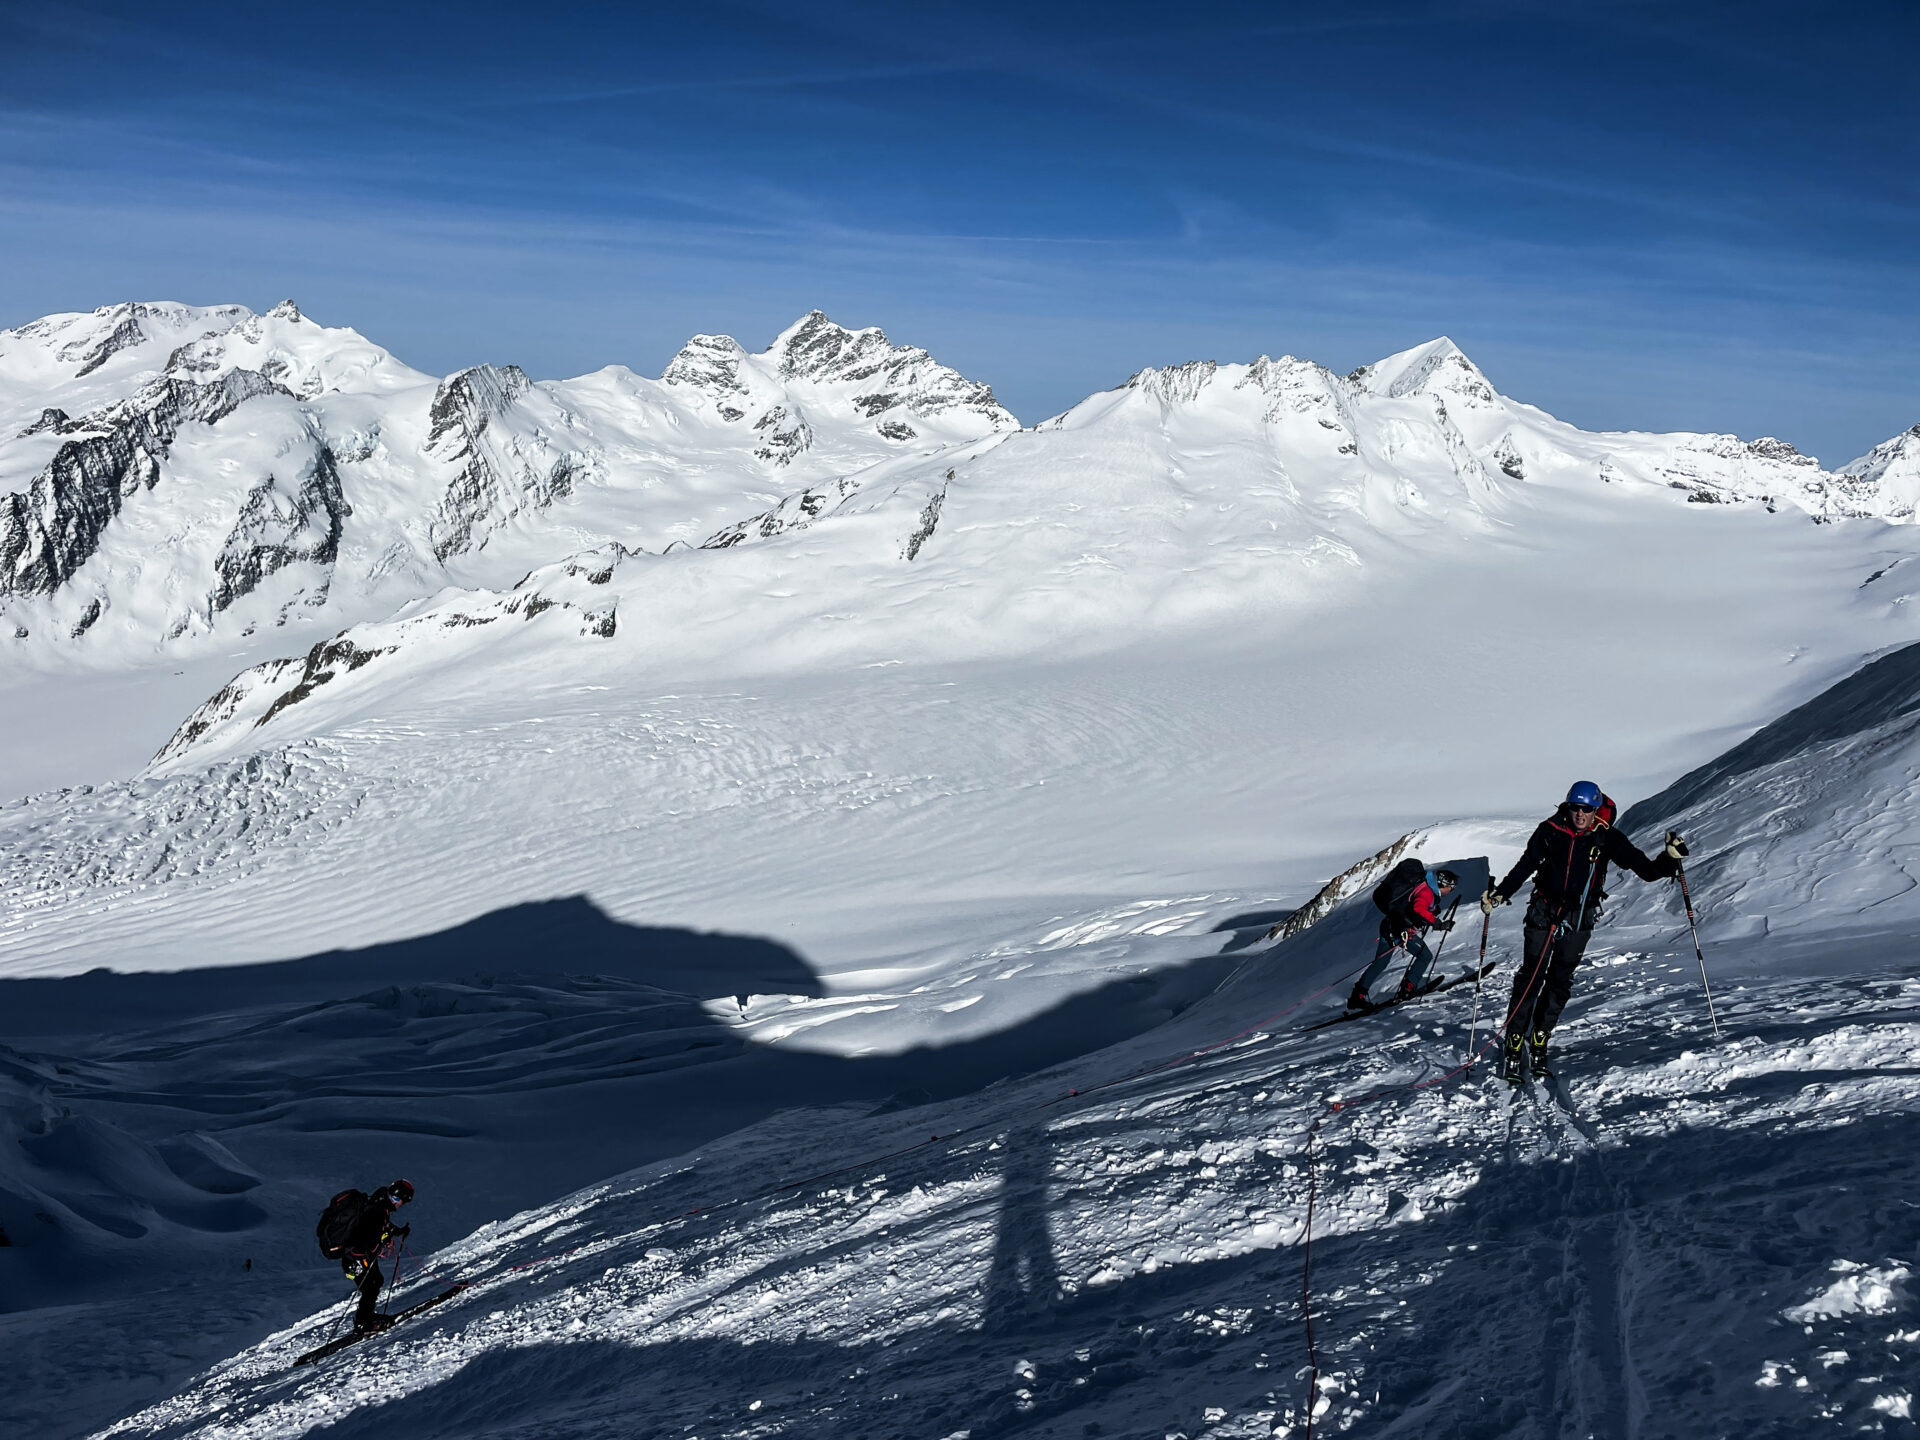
1861 1290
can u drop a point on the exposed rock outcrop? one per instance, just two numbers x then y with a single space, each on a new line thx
279 527
48 531
499 477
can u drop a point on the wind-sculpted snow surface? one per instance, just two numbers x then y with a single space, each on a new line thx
1084 1253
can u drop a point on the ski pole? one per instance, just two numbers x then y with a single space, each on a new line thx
1686 897
1445 933
1479 972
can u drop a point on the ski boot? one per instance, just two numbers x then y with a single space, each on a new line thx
1410 991
1357 1001
375 1324
1537 1054
1513 1059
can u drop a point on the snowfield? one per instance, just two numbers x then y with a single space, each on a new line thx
799 899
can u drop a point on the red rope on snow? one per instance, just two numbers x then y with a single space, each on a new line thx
1333 1108
1306 1286
1177 1060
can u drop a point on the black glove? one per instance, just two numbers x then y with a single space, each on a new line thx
1676 847
1441 925
1492 898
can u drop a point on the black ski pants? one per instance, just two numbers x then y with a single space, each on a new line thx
365 1273
1419 957
1554 945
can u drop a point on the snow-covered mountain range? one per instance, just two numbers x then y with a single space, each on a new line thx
173 471
1356 560
174 474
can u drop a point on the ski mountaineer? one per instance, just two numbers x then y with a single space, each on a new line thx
357 1229
1403 926
1567 857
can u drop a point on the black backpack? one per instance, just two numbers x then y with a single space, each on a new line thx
338 1222
1390 895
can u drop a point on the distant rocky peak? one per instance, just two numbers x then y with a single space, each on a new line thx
1289 373
286 310
100 343
1767 447
814 348
889 377
1899 455
1295 387
1437 367
88 340
708 362
1287 378
468 398
1174 384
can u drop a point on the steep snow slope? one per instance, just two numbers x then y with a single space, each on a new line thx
1885 480
1721 1245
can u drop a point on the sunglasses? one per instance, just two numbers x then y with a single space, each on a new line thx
1582 809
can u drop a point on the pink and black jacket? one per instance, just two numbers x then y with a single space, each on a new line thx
1569 866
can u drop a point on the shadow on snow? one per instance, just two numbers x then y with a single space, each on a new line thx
1636 1292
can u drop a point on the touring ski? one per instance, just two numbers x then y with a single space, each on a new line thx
333 1347
1518 1096
1556 1089
1552 1123
1390 1003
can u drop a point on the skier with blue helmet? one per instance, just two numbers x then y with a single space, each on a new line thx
1567 857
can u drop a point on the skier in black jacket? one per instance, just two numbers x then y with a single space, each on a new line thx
373 1229
1567 857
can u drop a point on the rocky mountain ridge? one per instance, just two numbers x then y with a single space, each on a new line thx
352 484
262 469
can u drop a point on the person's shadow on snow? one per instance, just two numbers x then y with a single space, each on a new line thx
1023 1281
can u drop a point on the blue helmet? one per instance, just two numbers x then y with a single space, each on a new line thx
1585 794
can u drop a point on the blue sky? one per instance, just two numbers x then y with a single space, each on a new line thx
1677 215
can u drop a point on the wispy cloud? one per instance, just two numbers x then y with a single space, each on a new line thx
719 84
1065 194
